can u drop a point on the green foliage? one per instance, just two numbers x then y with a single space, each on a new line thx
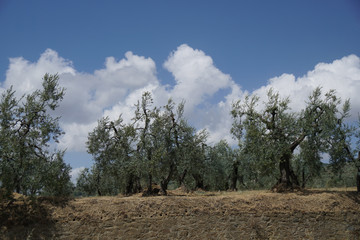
27 164
111 144
86 184
219 165
157 146
224 170
57 177
269 135
307 164
344 177
341 150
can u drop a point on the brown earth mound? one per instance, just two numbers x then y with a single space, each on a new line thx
312 214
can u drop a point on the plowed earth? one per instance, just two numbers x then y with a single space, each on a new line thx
310 214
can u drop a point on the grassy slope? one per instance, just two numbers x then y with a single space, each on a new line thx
226 215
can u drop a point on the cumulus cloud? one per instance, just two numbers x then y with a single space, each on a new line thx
342 75
124 76
27 76
88 96
197 81
219 119
114 89
196 76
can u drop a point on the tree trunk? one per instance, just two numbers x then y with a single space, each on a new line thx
17 181
234 177
199 181
182 178
285 173
149 187
137 187
165 182
241 180
358 180
164 185
303 178
98 185
129 186
150 191
288 180
133 185
17 188
99 192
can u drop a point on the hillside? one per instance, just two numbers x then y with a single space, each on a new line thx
311 214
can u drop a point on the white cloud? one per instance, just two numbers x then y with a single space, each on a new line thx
197 79
342 75
126 108
75 173
221 122
87 95
76 134
114 89
27 76
122 77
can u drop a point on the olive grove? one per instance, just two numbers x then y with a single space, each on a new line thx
277 147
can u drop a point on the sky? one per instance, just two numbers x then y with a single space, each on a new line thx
208 53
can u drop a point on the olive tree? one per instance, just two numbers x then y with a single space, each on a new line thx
27 163
156 146
224 167
171 136
191 169
342 150
111 144
272 132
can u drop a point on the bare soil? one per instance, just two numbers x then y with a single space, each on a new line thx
310 214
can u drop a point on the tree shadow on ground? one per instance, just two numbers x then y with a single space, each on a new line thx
27 218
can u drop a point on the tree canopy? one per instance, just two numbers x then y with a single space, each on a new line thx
276 146
272 132
157 146
28 165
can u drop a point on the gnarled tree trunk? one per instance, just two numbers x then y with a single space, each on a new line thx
234 177
165 182
133 185
288 180
199 181
181 178
358 180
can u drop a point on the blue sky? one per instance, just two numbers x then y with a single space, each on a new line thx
238 45
251 40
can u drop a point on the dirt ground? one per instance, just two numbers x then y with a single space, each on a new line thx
310 214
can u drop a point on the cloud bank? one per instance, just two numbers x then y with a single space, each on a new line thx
342 75
208 92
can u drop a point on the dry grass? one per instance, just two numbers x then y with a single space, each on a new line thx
257 214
